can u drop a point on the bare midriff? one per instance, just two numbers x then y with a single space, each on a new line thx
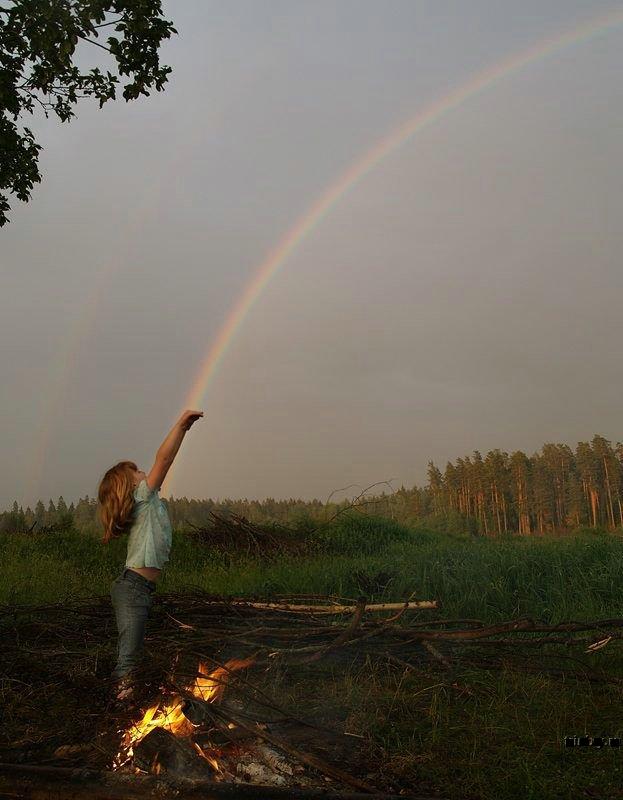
151 573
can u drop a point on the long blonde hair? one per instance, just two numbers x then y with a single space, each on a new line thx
116 501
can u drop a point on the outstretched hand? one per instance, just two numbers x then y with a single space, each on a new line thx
188 417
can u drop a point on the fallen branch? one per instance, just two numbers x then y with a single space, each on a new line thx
336 609
343 637
437 655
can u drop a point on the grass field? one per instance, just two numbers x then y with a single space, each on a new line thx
502 741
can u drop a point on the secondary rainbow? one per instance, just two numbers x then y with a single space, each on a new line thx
76 338
389 144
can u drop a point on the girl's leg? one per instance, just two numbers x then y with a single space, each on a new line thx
132 602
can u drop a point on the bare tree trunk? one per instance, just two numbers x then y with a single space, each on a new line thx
610 506
594 505
483 507
497 509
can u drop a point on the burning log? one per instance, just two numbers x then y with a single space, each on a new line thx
199 709
161 751
196 711
161 740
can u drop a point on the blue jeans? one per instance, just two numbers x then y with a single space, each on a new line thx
131 596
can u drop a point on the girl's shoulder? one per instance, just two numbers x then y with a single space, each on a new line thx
144 492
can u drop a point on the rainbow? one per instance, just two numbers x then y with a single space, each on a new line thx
358 170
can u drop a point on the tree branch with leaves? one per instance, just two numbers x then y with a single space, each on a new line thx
38 39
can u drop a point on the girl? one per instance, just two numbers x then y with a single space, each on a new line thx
129 502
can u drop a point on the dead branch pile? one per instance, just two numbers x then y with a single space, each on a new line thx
56 661
230 533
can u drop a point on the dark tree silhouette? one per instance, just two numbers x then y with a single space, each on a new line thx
38 39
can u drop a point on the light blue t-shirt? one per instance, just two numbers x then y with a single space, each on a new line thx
149 543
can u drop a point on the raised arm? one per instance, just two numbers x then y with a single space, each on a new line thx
168 449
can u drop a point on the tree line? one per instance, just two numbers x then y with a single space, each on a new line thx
554 490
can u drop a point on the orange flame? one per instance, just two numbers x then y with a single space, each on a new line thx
209 686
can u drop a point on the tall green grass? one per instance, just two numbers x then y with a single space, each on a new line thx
551 579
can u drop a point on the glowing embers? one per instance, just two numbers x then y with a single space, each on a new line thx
163 740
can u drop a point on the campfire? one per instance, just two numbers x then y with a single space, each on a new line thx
171 729
191 734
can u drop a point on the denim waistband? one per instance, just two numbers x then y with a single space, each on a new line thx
135 577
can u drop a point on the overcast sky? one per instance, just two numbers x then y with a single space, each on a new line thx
465 294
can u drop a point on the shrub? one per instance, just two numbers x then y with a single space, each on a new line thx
450 521
351 534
